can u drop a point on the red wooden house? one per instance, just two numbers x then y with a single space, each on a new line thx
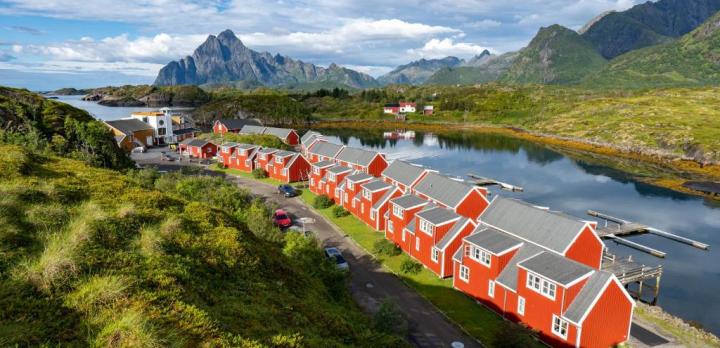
200 148
465 199
401 212
520 262
372 202
243 157
288 166
323 151
433 237
309 138
351 186
225 151
317 174
334 176
370 162
403 175
264 157
223 126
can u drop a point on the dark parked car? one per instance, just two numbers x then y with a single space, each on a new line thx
287 190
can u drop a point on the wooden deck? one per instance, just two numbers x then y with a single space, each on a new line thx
630 272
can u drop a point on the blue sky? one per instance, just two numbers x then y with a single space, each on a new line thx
47 44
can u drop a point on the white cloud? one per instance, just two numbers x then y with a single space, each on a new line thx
485 24
436 48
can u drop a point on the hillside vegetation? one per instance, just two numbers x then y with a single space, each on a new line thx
90 257
147 95
271 107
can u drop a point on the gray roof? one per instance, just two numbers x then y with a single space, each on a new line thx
383 198
492 240
555 267
268 150
458 255
187 141
403 172
323 164
246 146
184 131
129 126
376 185
411 226
437 215
250 129
356 156
548 229
359 177
197 142
339 169
238 123
443 189
324 148
408 201
283 153
308 136
452 234
509 274
584 299
278 132
230 144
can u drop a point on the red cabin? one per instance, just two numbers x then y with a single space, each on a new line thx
370 162
401 212
351 191
243 157
226 151
317 175
232 125
463 198
288 166
199 148
264 157
323 151
403 175
334 176
287 135
372 202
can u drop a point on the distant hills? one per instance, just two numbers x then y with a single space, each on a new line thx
419 71
224 59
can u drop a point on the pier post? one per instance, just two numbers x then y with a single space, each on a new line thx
640 287
657 290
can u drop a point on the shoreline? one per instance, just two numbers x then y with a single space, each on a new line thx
674 171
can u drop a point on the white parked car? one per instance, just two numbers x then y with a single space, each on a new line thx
334 254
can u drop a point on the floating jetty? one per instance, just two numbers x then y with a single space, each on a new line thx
630 272
483 181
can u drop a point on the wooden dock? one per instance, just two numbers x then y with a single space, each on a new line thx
483 181
630 273
706 187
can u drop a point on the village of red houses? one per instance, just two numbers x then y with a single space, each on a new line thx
529 264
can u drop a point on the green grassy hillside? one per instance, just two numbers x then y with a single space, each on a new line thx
90 257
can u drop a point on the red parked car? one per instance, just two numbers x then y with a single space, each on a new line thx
282 219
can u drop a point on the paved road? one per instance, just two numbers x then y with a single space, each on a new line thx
370 283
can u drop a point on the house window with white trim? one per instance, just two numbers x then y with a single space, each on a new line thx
521 305
353 203
316 170
390 227
367 194
435 254
481 256
541 285
285 172
312 182
278 160
559 327
464 273
373 214
417 244
331 177
247 163
397 211
426 226
350 185
491 288
362 208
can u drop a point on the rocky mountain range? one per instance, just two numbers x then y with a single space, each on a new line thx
419 71
224 59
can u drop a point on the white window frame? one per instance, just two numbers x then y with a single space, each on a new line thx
390 226
426 226
247 163
373 214
362 208
331 177
464 273
350 185
521 305
403 235
312 182
367 194
480 255
491 289
417 243
541 285
285 172
398 211
278 160
353 203
559 327
435 254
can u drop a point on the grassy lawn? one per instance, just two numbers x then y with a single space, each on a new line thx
230 171
477 320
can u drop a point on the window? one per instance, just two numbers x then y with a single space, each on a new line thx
426 227
491 289
162 131
541 285
278 160
362 208
247 163
350 185
435 254
559 326
417 243
346 198
337 192
353 203
285 172
481 256
312 182
331 177
373 214
521 305
161 122
403 235
367 194
316 170
397 211
464 273
390 226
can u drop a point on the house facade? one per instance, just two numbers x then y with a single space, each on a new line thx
243 157
223 126
161 123
333 178
372 201
323 151
288 166
463 198
371 162
351 186
225 152
200 148
131 133
264 157
317 176
401 212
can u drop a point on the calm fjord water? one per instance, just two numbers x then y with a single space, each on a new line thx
690 286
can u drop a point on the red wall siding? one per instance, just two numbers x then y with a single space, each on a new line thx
377 166
292 138
587 249
473 205
447 254
597 330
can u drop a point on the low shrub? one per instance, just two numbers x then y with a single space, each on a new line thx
389 319
258 173
511 335
322 202
410 267
387 248
338 211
